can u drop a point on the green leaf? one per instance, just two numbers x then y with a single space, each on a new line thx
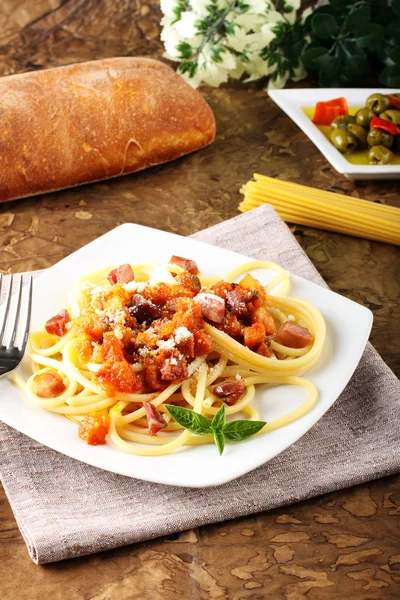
394 55
189 419
314 58
185 50
219 440
390 76
324 26
396 7
237 431
355 68
369 35
330 72
357 18
188 66
218 422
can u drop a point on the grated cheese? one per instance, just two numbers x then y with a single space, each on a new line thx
182 334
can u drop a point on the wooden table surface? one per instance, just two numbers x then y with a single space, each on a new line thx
343 545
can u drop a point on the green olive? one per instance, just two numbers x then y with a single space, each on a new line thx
391 115
343 121
364 116
377 137
359 132
344 140
378 103
379 155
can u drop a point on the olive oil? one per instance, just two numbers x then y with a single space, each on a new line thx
356 158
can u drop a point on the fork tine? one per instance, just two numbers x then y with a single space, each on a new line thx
15 328
28 317
7 305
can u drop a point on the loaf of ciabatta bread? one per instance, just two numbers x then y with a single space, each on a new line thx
86 122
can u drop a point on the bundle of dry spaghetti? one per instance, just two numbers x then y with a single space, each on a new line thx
324 210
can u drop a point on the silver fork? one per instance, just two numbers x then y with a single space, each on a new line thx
12 354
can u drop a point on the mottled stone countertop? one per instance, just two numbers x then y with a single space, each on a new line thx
344 545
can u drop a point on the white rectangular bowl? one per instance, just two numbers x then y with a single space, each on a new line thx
293 101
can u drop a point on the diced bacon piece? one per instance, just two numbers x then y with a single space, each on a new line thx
212 307
49 385
222 288
154 418
142 309
236 301
261 315
174 368
232 326
153 378
185 263
202 343
264 350
184 341
230 391
57 325
293 336
254 335
93 429
122 274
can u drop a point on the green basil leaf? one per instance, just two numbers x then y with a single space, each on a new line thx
330 72
324 26
369 35
394 55
396 7
357 18
390 76
218 422
219 440
237 431
189 419
314 58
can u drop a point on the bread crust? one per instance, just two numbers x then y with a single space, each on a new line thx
86 122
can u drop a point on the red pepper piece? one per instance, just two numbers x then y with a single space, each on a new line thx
326 112
394 100
386 125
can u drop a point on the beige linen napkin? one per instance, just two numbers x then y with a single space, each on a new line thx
66 508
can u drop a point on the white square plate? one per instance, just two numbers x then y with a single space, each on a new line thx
293 101
348 328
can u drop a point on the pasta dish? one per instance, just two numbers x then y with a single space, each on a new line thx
138 340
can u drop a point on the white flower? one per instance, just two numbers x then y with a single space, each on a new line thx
186 26
200 7
167 7
295 4
279 82
306 13
274 16
171 50
257 6
299 73
214 75
249 22
237 41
